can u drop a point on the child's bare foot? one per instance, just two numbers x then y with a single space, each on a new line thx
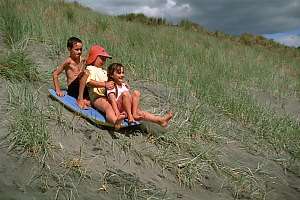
130 119
138 117
131 122
118 123
87 102
165 120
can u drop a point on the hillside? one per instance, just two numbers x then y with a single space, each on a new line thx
235 133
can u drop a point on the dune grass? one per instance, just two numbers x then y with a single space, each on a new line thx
18 67
213 82
28 127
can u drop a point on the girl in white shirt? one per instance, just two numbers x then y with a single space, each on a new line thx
127 102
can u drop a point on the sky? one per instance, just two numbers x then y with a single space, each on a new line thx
291 38
229 16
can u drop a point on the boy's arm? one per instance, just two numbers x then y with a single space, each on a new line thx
55 75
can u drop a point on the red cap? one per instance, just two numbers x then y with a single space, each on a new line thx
95 51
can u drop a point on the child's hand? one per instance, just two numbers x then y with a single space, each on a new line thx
83 104
109 85
60 93
82 65
83 61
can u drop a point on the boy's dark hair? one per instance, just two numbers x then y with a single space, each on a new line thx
112 68
71 41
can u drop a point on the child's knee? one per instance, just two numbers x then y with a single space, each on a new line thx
136 93
126 94
110 115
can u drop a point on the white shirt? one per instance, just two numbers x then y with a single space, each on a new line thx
121 89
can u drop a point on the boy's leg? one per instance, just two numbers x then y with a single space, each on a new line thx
127 105
83 103
73 88
161 120
86 98
104 106
135 96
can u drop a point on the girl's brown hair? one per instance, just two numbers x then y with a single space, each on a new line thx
112 68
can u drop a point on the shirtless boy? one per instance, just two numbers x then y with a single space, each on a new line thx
73 67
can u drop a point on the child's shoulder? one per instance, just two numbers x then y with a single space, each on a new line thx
68 61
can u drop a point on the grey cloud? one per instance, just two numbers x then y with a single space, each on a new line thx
230 16
254 16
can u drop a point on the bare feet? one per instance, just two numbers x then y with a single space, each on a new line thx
138 117
131 120
118 123
165 119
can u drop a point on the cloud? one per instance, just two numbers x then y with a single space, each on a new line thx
255 16
289 40
229 16
169 9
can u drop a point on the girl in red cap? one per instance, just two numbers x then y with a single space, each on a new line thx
95 77
122 99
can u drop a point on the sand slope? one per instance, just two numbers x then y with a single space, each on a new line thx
89 162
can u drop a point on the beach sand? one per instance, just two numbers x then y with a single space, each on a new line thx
89 162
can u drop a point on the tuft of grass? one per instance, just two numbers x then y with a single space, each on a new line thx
130 185
12 27
18 67
28 126
246 182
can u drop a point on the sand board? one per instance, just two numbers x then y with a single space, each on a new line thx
90 113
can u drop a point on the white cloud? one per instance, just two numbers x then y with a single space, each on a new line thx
152 12
289 40
170 9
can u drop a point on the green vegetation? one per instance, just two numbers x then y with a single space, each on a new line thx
141 18
215 82
131 186
18 67
28 126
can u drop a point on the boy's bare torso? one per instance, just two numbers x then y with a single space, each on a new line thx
73 70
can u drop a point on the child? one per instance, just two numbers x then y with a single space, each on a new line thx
96 79
122 100
73 67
